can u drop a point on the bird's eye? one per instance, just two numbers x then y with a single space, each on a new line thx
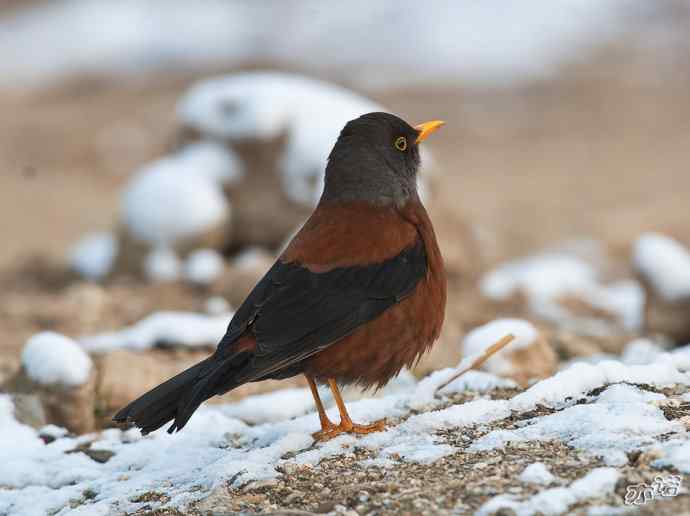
401 143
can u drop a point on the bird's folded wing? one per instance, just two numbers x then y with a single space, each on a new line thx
294 312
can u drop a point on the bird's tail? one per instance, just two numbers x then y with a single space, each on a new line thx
180 396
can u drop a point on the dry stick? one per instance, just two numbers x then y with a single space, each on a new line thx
488 352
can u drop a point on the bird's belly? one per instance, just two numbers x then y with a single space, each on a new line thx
376 351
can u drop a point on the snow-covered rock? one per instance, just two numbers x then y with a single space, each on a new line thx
179 197
61 375
529 355
162 265
203 266
261 105
177 328
94 255
547 280
50 358
663 266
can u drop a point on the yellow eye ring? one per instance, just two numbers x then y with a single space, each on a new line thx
401 143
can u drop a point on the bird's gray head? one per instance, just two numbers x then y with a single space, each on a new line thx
376 159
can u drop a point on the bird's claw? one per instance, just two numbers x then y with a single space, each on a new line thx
348 427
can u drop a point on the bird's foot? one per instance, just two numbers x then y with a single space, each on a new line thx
348 427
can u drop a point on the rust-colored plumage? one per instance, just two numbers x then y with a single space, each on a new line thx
358 294
377 351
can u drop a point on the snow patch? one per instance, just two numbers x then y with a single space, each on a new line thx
217 305
598 483
203 266
178 328
162 265
621 419
544 278
537 473
665 263
50 358
93 256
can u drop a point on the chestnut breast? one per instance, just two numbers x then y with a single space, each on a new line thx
360 234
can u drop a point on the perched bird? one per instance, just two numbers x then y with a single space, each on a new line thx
357 294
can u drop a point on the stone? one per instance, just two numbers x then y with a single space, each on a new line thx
71 407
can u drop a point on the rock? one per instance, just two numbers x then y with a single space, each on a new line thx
144 370
60 375
28 410
263 214
71 407
245 270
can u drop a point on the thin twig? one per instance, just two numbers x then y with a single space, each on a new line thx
476 364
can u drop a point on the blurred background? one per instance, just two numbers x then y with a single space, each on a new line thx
139 145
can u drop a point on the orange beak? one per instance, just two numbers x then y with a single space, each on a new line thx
427 128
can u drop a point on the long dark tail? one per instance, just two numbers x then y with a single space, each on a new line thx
180 396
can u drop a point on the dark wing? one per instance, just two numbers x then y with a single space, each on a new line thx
294 312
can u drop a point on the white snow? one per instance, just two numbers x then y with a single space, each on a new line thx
262 105
249 440
250 257
665 263
581 378
14 435
675 453
203 266
50 358
180 196
537 473
623 418
274 406
545 277
219 445
217 305
161 265
177 328
514 43
596 484
93 256
477 340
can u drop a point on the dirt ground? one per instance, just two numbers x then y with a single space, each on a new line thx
600 151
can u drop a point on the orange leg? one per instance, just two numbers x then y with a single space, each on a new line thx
346 425
326 425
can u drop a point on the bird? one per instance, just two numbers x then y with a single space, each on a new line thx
355 296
